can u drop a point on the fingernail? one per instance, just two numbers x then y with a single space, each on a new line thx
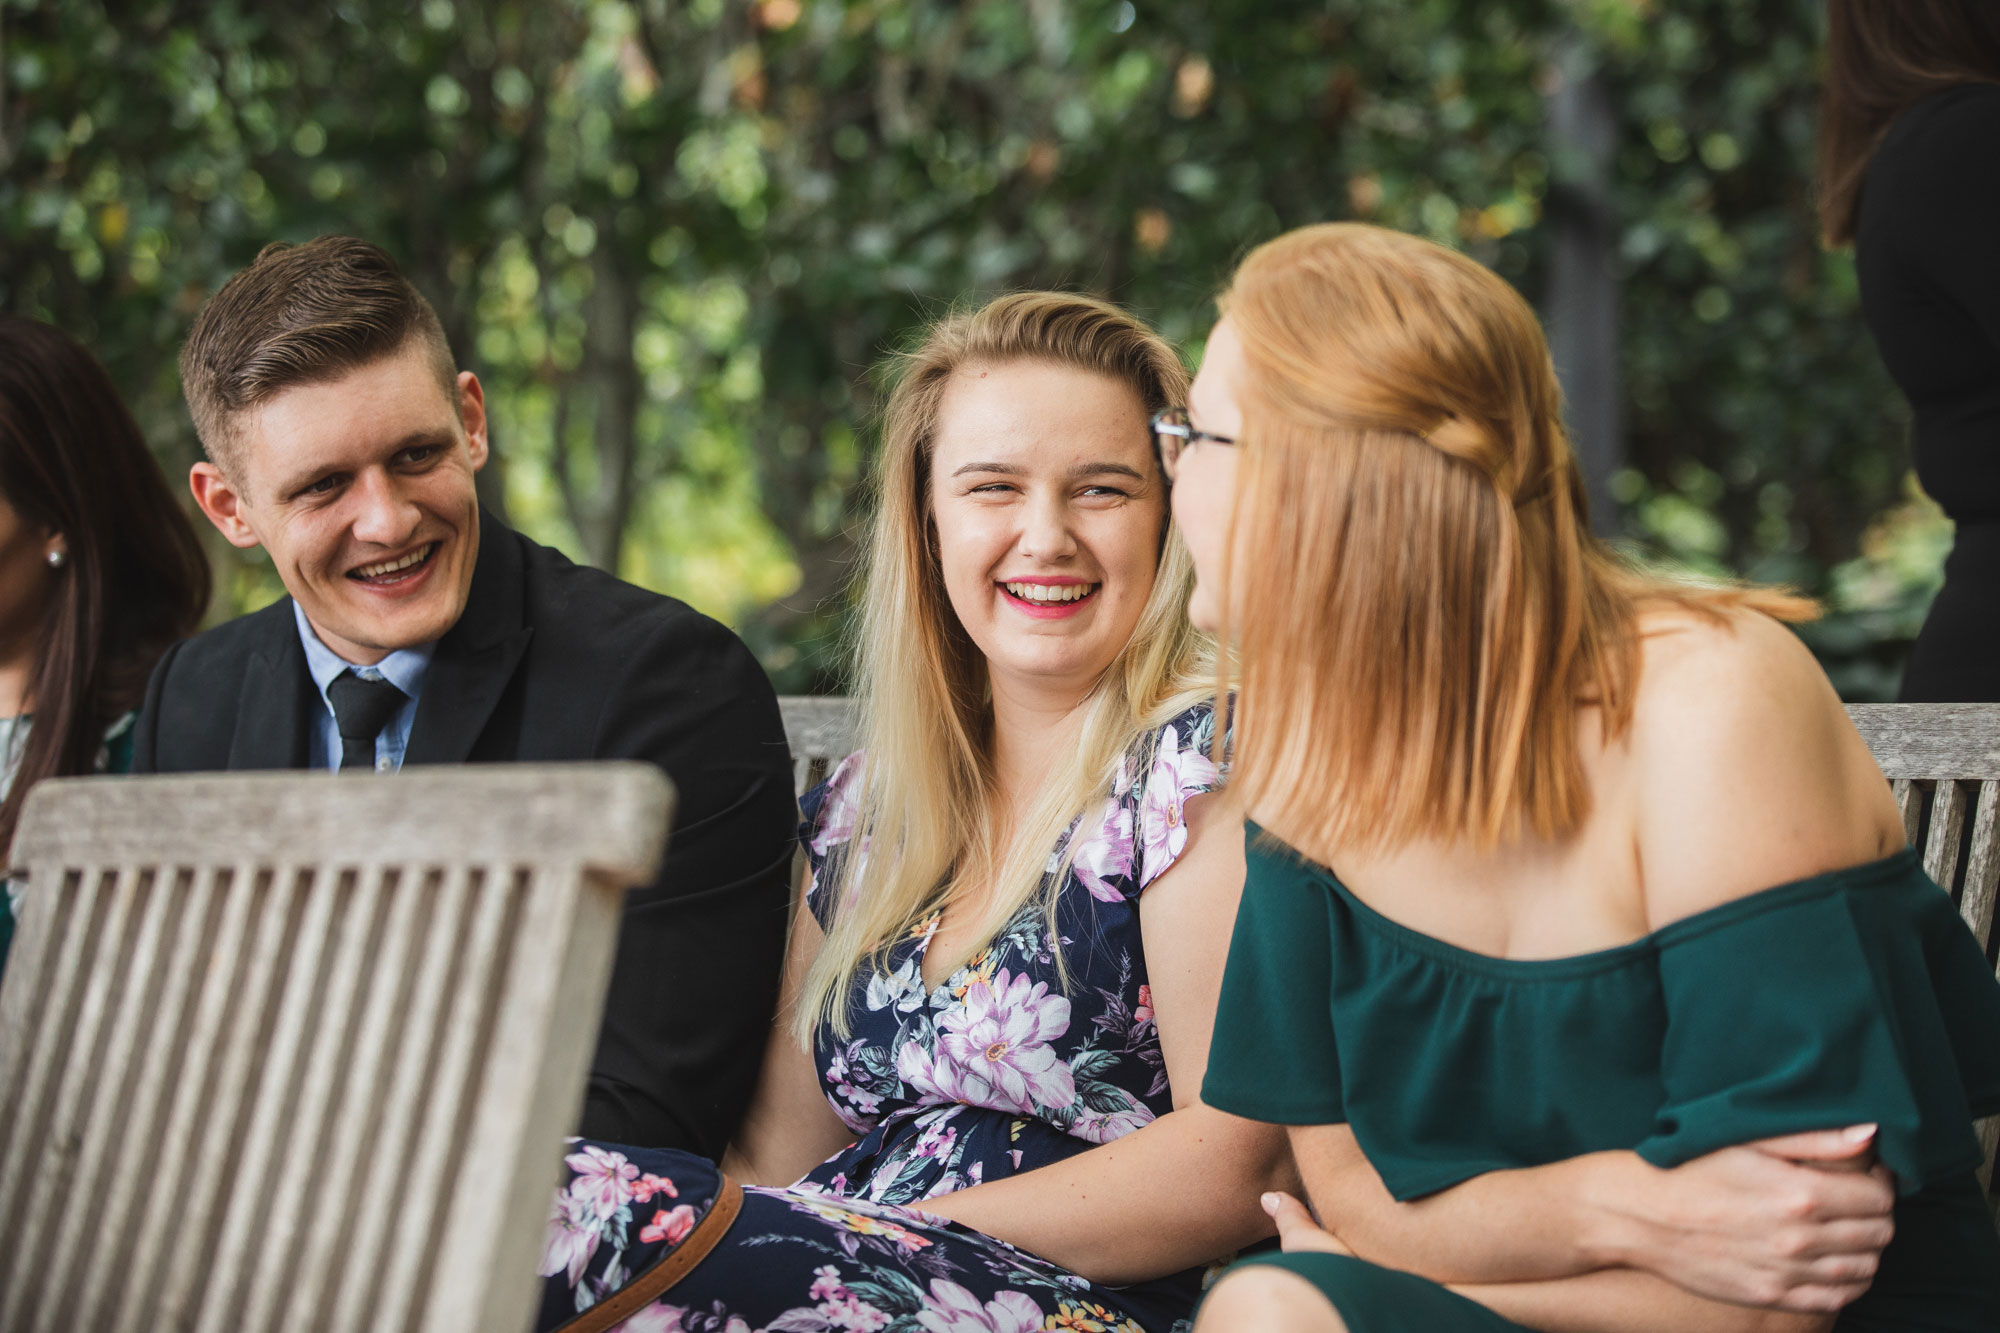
1270 1202
1858 1133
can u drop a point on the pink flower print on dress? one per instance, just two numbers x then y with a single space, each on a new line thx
1104 1126
671 1226
1176 774
839 1308
573 1233
604 1180
953 1309
841 808
649 1184
993 1049
1105 853
655 1319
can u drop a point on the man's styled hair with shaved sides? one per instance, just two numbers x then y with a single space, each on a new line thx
300 314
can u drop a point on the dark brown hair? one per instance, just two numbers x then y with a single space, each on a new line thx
1882 56
72 459
300 314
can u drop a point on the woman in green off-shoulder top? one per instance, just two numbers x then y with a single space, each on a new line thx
1574 904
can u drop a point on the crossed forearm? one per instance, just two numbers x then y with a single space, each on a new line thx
1181 1191
1626 1301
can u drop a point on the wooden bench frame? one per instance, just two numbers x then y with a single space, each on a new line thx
297 1052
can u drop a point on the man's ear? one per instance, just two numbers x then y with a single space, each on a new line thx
472 415
222 502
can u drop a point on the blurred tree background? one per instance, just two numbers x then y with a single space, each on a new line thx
675 238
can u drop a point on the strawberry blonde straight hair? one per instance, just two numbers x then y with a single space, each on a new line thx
1414 661
925 813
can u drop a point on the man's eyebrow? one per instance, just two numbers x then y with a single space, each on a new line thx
298 481
1004 469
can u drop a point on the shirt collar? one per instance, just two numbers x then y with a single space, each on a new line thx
403 668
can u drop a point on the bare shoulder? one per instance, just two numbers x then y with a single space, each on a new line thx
1748 772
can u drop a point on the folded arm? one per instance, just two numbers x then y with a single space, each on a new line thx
1788 1223
1182 1190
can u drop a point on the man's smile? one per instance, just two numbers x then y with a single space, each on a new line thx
398 569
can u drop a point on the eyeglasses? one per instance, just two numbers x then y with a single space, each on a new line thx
1173 433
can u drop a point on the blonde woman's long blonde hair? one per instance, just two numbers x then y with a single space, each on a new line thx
1414 662
926 814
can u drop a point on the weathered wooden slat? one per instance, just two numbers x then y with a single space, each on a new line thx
821 732
223 1128
1982 865
326 1044
1946 832
415 1247
1989 1138
82 1066
322 1083
1931 740
175 1207
1910 802
69 1297
58 945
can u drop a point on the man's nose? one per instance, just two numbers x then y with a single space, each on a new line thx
383 515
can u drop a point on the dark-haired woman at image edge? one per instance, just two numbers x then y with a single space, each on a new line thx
99 571
1559 876
1910 174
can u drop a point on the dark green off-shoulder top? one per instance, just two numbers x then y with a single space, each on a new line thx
1851 997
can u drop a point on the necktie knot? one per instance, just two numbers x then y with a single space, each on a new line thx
361 708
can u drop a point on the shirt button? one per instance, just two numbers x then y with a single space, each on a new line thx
384 764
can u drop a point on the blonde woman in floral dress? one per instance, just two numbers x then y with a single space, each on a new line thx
978 1112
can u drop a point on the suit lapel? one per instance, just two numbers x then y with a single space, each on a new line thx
273 709
477 658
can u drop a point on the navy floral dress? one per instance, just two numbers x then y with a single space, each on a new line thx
999 1070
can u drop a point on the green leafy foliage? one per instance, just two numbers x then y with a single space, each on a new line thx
674 236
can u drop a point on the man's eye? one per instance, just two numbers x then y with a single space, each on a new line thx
991 488
1107 491
324 486
422 453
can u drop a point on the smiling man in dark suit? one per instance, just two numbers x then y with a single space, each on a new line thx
418 630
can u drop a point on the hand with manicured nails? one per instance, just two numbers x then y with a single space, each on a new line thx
1794 1223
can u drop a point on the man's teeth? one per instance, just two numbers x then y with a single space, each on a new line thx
1051 592
415 557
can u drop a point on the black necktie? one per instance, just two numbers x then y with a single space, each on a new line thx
361 708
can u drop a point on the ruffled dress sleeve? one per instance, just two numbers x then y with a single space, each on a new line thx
826 831
1173 767
1873 1004
1273 1056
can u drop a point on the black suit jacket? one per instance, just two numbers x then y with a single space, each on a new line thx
555 661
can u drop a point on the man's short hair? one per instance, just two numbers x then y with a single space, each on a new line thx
300 314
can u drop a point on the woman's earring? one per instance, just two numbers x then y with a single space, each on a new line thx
58 558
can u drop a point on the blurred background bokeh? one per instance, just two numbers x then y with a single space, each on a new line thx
675 238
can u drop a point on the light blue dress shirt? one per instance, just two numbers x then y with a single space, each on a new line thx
403 668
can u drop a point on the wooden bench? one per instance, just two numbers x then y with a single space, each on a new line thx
1943 761
289 1051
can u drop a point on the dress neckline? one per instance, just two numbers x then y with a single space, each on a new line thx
1896 865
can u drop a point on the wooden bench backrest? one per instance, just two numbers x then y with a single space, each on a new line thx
290 1051
1943 761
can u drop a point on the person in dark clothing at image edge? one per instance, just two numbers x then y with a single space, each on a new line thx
420 630
1910 175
